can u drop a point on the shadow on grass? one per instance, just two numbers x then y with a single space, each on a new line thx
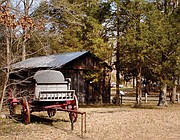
18 118
150 105
45 120
146 106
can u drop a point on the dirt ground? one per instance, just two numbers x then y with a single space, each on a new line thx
103 123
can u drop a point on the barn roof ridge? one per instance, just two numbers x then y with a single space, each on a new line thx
55 60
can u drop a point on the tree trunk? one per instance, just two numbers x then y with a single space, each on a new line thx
7 67
117 98
23 51
173 94
4 91
138 89
118 63
26 9
162 96
134 82
117 87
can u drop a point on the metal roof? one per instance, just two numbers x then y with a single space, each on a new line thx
57 60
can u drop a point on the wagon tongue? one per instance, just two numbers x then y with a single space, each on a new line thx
58 106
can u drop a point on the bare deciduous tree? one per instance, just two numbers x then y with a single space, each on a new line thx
12 23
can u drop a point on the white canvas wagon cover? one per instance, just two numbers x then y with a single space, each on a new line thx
49 76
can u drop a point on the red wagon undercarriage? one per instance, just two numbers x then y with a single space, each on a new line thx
50 95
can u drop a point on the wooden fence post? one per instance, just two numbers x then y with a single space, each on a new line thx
145 97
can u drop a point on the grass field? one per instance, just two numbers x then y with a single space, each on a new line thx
105 122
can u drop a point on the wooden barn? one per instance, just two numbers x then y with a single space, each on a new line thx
90 77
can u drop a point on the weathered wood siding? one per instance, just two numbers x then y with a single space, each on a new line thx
87 91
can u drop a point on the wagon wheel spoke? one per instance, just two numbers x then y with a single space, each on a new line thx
14 106
10 103
26 111
12 109
73 106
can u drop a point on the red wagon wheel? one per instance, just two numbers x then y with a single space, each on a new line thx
73 106
26 111
12 102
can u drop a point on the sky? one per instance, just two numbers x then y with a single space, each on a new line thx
35 4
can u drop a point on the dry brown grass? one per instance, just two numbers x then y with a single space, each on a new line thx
103 123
